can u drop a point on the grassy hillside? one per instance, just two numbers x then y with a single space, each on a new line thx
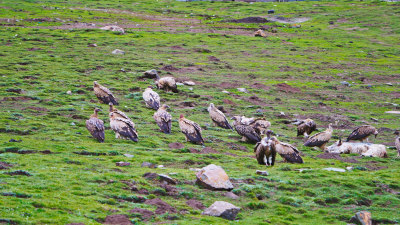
299 69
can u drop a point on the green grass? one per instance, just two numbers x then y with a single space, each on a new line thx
357 42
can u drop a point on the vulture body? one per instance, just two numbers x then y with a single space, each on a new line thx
260 125
191 130
120 114
246 120
264 153
167 83
103 94
320 139
397 143
288 152
163 119
96 126
362 132
151 98
123 128
306 127
218 117
246 131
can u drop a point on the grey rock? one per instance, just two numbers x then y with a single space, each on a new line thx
362 217
167 179
189 83
244 90
92 45
345 83
118 52
113 28
150 165
231 195
69 92
214 178
128 155
222 209
262 173
122 163
152 74
335 169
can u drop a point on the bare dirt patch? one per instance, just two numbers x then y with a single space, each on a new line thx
372 165
176 145
249 20
144 213
260 86
4 165
195 204
119 219
162 207
287 88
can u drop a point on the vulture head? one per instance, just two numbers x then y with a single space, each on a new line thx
308 122
112 115
111 107
181 116
97 110
268 133
211 106
376 133
265 141
95 84
165 106
236 120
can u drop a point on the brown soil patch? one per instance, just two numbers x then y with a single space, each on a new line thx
144 213
169 68
226 85
19 173
229 102
255 100
337 157
195 204
41 109
260 86
162 207
119 219
4 165
235 146
213 59
287 88
371 165
249 20
19 98
176 145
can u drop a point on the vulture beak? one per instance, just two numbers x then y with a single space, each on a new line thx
99 110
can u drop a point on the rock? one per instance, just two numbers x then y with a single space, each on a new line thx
260 33
231 195
118 52
128 155
69 92
226 92
362 217
152 74
222 209
271 11
113 28
262 173
122 163
374 119
13 140
160 166
345 83
335 169
349 168
213 177
195 204
393 112
72 124
119 219
390 84
244 90
189 83
92 45
150 165
167 179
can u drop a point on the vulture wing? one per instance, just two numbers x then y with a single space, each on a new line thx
219 118
259 149
192 131
164 121
105 95
248 132
318 139
289 153
361 133
96 128
124 128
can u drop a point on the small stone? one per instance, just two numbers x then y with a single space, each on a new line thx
362 217
244 90
282 114
222 209
259 111
122 163
334 169
349 168
152 74
92 45
260 33
231 195
118 52
160 166
262 173
189 83
214 177
73 124
113 28
195 169
69 92
150 165
374 119
167 179
226 92
345 83
393 112
390 84
128 155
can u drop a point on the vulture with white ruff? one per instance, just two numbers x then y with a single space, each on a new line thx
288 152
246 131
397 142
306 127
320 139
163 119
151 98
218 117
123 128
191 130
96 126
264 153
362 132
167 84
103 94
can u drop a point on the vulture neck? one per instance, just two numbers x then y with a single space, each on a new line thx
94 115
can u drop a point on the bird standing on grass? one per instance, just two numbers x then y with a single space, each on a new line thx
151 98
218 117
167 84
163 119
288 152
320 139
123 128
246 131
264 153
191 130
103 94
362 132
96 126
306 127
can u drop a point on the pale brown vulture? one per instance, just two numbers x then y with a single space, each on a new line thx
120 114
306 127
123 128
397 142
96 126
167 84
246 120
320 139
191 130
103 94
260 125
362 132
163 119
151 98
218 117
246 131
263 150
288 152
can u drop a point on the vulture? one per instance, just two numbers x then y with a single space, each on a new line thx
167 83
246 121
260 125
320 139
288 152
306 127
151 98
264 153
191 130
362 132
103 94
120 114
123 128
397 143
163 119
218 117
96 126
246 131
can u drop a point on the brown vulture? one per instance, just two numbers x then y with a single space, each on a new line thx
362 132
263 150
96 126
191 130
103 94
246 131
163 119
167 84
306 127
320 139
397 143
151 98
288 152
123 128
120 114
260 125
218 117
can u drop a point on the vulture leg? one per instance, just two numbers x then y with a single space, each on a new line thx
305 134
273 156
323 148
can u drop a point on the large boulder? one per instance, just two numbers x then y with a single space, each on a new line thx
222 209
362 217
214 177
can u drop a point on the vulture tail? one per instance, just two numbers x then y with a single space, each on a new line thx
113 100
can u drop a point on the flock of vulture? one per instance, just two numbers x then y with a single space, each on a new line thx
252 130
